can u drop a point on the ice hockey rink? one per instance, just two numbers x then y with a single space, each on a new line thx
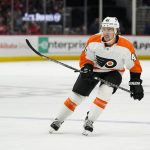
31 94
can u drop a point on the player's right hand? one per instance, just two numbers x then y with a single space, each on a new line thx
86 71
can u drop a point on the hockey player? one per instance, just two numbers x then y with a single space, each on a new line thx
104 56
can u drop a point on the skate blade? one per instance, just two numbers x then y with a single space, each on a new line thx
51 130
86 133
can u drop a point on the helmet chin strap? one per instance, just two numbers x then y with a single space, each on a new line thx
109 42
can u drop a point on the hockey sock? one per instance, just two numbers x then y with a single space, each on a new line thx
65 112
69 106
100 102
96 109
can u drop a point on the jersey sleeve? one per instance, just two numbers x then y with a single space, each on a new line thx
84 60
87 55
131 60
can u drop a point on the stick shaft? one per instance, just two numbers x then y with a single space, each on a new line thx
56 61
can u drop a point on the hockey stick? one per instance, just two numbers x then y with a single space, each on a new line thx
56 61
76 70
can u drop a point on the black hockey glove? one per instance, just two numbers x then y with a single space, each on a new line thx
136 88
86 71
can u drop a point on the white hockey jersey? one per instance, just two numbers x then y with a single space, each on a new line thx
105 59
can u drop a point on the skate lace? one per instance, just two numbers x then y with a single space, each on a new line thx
57 123
88 123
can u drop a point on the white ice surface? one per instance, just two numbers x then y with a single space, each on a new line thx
31 94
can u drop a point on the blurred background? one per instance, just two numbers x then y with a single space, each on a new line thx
60 28
72 16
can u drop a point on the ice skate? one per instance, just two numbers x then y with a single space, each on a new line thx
55 125
88 126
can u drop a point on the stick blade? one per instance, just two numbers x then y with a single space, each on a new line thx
33 49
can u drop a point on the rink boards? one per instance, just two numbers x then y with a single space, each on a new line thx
61 47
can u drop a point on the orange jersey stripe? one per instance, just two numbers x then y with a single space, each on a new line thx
137 67
70 104
99 102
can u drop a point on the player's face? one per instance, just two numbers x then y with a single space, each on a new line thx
108 33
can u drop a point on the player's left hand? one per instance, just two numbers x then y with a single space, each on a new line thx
136 88
86 71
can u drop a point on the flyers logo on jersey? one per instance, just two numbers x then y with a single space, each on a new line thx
108 63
